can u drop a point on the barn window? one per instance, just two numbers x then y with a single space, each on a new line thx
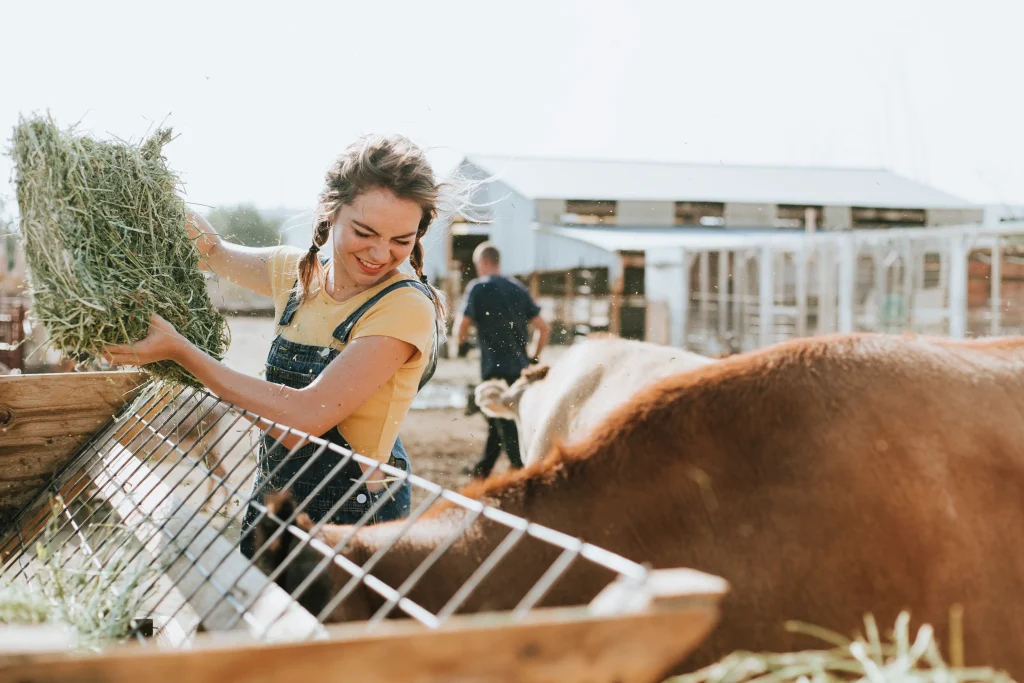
700 213
887 218
589 211
797 216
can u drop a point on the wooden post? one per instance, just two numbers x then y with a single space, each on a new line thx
909 290
847 281
45 418
995 283
570 304
723 293
704 278
686 263
801 288
881 279
766 295
826 292
617 286
958 252
739 305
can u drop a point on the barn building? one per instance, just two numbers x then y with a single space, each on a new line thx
579 229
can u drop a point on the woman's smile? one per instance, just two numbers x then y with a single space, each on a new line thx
369 267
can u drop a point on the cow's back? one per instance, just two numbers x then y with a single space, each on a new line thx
589 381
621 368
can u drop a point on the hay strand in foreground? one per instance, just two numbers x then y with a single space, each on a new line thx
95 590
105 242
904 660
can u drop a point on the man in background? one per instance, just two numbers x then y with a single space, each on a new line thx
503 312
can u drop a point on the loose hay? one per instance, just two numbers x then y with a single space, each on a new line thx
96 591
864 659
106 245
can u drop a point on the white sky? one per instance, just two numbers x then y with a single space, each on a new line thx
265 94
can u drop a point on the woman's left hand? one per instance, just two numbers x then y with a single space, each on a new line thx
163 342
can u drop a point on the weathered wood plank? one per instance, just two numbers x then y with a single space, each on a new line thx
146 504
550 646
45 418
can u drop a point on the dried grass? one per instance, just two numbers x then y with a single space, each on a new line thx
867 658
97 595
105 241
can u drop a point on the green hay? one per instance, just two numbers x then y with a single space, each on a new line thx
105 242
865 659
96 595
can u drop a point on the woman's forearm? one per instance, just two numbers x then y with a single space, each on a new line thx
275 402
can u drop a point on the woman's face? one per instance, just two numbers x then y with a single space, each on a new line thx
373 235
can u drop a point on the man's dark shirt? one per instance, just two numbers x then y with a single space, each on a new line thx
501 309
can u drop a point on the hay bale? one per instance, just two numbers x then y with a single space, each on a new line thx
105 243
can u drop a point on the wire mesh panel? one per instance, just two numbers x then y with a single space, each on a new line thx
148 513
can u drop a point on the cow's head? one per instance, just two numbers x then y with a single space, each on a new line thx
496 398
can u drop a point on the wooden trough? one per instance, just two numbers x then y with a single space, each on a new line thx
115 449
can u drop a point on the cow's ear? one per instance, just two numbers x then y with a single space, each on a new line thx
490 398
511 396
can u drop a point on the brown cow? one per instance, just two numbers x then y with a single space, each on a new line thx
822 478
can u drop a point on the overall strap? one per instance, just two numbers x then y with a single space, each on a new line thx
344 330
293 301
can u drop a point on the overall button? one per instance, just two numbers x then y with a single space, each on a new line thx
361 498
324 351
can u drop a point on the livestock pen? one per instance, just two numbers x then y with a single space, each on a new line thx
715 290
132 492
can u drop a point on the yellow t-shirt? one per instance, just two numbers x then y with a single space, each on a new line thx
404 314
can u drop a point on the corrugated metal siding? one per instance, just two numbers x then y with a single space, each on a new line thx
634 180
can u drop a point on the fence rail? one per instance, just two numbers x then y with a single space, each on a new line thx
956 282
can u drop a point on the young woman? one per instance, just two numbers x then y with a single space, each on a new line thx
356 338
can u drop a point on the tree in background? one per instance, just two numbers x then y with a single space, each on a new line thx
244 225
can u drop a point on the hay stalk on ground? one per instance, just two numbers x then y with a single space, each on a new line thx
867 658
105 242
95 591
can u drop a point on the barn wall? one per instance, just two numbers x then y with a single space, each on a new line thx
738 215
954 216
837 218
510 227
645 213
548 210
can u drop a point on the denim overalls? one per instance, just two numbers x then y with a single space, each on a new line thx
296 366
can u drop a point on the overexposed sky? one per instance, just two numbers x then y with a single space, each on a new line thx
264 94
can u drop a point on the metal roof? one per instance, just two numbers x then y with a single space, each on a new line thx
692 239
540 178
612 239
